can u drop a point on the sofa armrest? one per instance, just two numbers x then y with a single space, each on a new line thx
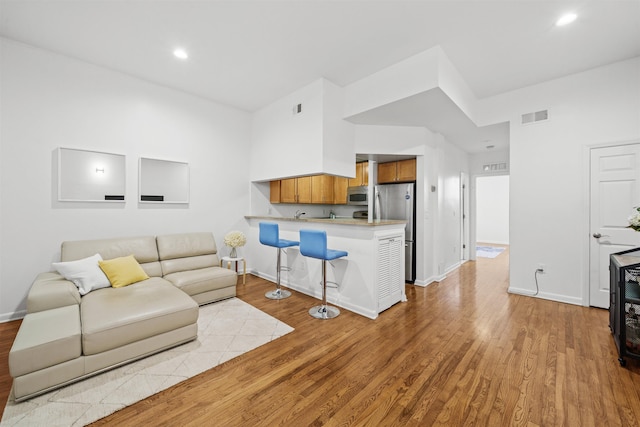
51 290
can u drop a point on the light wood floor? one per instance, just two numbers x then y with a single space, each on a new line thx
460 352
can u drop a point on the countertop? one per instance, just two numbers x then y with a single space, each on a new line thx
338 220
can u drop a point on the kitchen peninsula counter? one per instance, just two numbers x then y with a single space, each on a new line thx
337 221
369 280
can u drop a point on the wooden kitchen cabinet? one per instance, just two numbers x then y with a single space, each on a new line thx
340 185
317 189
304 189
295 190
274 191
387 172
406 170
362 175
400 171
288 190
322 189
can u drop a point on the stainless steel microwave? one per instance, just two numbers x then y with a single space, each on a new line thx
358 196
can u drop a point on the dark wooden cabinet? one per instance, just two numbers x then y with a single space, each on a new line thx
624 305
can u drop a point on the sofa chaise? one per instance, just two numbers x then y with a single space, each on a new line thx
73 330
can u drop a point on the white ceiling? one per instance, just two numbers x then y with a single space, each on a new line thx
247 54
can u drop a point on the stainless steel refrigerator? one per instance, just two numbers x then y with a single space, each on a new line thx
397 201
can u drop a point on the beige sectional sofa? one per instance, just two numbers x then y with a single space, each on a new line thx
66 336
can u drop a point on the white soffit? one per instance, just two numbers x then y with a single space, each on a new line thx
434 110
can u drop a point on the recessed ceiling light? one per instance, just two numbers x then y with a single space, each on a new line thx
565 19
180 54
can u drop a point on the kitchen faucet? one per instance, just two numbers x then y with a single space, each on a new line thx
299 214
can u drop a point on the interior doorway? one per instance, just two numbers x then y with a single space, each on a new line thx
614 191
492 214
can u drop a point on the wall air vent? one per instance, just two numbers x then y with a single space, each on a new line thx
538 116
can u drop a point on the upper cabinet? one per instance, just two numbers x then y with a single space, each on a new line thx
387 172
362 175
400 171
294 190
317 189
322 189
340 186
274 191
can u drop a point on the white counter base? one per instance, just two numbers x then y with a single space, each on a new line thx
369 280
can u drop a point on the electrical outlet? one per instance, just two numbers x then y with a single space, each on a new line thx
541 268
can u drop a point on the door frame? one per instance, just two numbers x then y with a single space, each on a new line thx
586 191
465 214
473 203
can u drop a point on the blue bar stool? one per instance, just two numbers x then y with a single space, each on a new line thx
269 236
313 243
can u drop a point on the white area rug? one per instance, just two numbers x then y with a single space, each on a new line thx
488 251
226 329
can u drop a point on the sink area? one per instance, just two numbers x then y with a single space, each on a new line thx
326 217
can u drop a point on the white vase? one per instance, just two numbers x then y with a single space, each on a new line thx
233 253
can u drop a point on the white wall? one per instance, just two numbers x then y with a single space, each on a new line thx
338 154
549 170
49 101
478 160
450 162
492 209
316 140
285 144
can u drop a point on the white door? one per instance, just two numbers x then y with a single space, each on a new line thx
615 190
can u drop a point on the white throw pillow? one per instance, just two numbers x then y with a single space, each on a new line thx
84 273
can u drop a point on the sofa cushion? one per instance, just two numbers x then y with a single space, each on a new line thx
84 273
185 245
45 339
194 282
123 271
114 317
143 248
189 263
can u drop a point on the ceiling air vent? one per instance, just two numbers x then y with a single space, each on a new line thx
538 116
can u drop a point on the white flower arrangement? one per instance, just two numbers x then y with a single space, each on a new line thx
235 239
634 219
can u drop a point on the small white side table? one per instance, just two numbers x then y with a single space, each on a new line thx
229 260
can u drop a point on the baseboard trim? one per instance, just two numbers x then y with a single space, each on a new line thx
544 295
16 315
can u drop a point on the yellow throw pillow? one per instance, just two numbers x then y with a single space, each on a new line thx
123 271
